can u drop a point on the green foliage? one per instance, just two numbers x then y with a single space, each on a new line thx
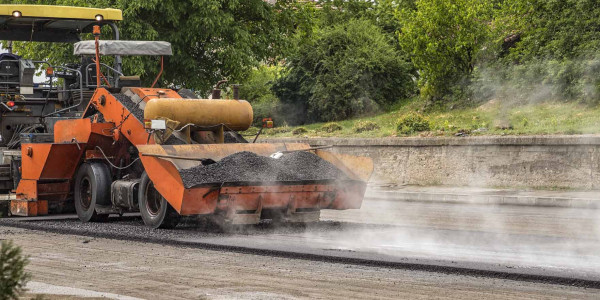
299 131
331 127
347 58
211 39
411 123
257 90
443 39
257 87
347 70
381 12
362 126
550 29
13 277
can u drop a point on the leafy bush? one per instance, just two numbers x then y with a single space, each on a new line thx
549 29
363 126
413 122
13 277
257 87
443 39
299 130
347 70
331 127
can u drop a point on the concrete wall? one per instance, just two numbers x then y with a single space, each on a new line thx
527 162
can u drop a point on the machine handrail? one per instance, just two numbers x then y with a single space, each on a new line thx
87 73
80 91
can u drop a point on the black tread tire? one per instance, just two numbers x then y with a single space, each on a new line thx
98 178
165 216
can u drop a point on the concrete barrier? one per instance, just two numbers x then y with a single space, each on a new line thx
540 162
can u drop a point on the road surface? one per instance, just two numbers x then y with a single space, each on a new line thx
388 249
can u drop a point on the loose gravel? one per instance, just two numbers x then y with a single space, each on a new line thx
250 167
133 107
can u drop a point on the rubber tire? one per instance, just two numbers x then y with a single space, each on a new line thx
99 180
166 217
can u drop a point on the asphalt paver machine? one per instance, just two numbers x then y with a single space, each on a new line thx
141 149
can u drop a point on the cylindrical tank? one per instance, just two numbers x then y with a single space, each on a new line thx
235 114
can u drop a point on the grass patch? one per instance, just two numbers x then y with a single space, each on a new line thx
491 118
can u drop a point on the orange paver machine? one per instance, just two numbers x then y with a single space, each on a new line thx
127 151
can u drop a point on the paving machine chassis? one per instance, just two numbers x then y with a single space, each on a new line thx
126 151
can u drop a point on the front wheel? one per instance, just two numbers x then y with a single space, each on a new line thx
92 187
154 208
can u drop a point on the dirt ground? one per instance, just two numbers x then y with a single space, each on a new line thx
124 269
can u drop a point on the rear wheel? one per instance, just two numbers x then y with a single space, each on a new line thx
154 208
92 187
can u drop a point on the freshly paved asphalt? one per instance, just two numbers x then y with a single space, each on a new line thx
539 244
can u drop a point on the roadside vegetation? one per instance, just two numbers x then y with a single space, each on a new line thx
438 67
490 118
13 276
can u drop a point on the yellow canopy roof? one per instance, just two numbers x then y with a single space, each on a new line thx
61 12
51 23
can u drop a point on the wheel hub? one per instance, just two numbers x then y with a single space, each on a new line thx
85 193
153 201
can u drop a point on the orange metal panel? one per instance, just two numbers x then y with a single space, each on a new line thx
166 179
27 190
80 130
199 201
33 158
67 130
49 161
33 190
152 93
114 112
29 208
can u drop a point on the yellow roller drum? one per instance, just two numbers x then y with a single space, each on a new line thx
235 114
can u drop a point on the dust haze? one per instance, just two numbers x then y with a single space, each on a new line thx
516 236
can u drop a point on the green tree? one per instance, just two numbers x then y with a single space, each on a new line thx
347 70
13 277
549 29
212 39
542 50
443 39
257 90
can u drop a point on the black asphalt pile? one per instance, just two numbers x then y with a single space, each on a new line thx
133 107
248 166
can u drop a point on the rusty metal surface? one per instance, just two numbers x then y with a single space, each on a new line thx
234 114
164 172
28 208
